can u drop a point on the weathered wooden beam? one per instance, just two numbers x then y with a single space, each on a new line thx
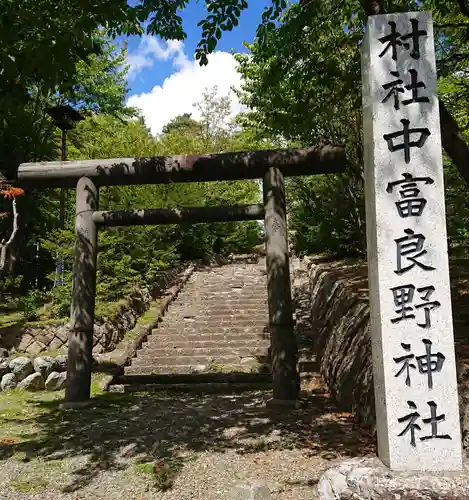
178 215
80 340
284 351
184 168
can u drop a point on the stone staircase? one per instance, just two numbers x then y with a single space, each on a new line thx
217 324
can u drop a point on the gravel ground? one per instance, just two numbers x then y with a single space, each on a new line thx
132 447
201 445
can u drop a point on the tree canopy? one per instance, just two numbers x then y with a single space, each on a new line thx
301 86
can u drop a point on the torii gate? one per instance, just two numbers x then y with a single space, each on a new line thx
270 166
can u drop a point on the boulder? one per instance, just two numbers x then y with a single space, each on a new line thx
8 382
33 382
98 349
255 491
35 348
369 479
4 366
4 352
21 367
44 365
56 381
61 361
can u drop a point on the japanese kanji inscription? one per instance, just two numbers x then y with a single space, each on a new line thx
411 320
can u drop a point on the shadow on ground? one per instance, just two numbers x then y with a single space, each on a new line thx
166 429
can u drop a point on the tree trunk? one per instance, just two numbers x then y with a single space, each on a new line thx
453 142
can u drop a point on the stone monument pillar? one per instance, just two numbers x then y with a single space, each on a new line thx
412 330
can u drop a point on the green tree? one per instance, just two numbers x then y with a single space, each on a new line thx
131 256
303 84
215 120
56 39
30 135
183 124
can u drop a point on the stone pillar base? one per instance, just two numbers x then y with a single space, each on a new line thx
369 479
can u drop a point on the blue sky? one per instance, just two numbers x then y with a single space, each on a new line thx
196 11
165 80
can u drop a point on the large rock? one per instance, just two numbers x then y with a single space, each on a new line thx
369 479
56 381
44 365
8 382
61 361
4 352
21 367
33 382
255 491
4 366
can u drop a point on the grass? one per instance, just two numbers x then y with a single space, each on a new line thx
163 469
150 317
29 485
46 322
109 309
162 474
217 367
103 309
10 319
20 409
51 353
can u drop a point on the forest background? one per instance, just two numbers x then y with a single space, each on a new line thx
301 87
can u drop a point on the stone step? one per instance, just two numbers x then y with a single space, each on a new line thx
194 378
204 302
230 333
200 324
210 319
219 309
176 343
183 369
192 360
227 286
248 293
199 387
164 337
165 352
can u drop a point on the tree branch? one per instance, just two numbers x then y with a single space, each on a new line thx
4 244
452 25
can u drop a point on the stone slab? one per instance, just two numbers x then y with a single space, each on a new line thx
370 479
258 490
411 320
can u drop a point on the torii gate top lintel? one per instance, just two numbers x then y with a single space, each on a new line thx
183 168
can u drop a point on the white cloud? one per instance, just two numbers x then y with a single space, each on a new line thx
185 86
151 50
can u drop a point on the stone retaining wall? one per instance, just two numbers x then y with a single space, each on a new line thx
340 334
108 332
